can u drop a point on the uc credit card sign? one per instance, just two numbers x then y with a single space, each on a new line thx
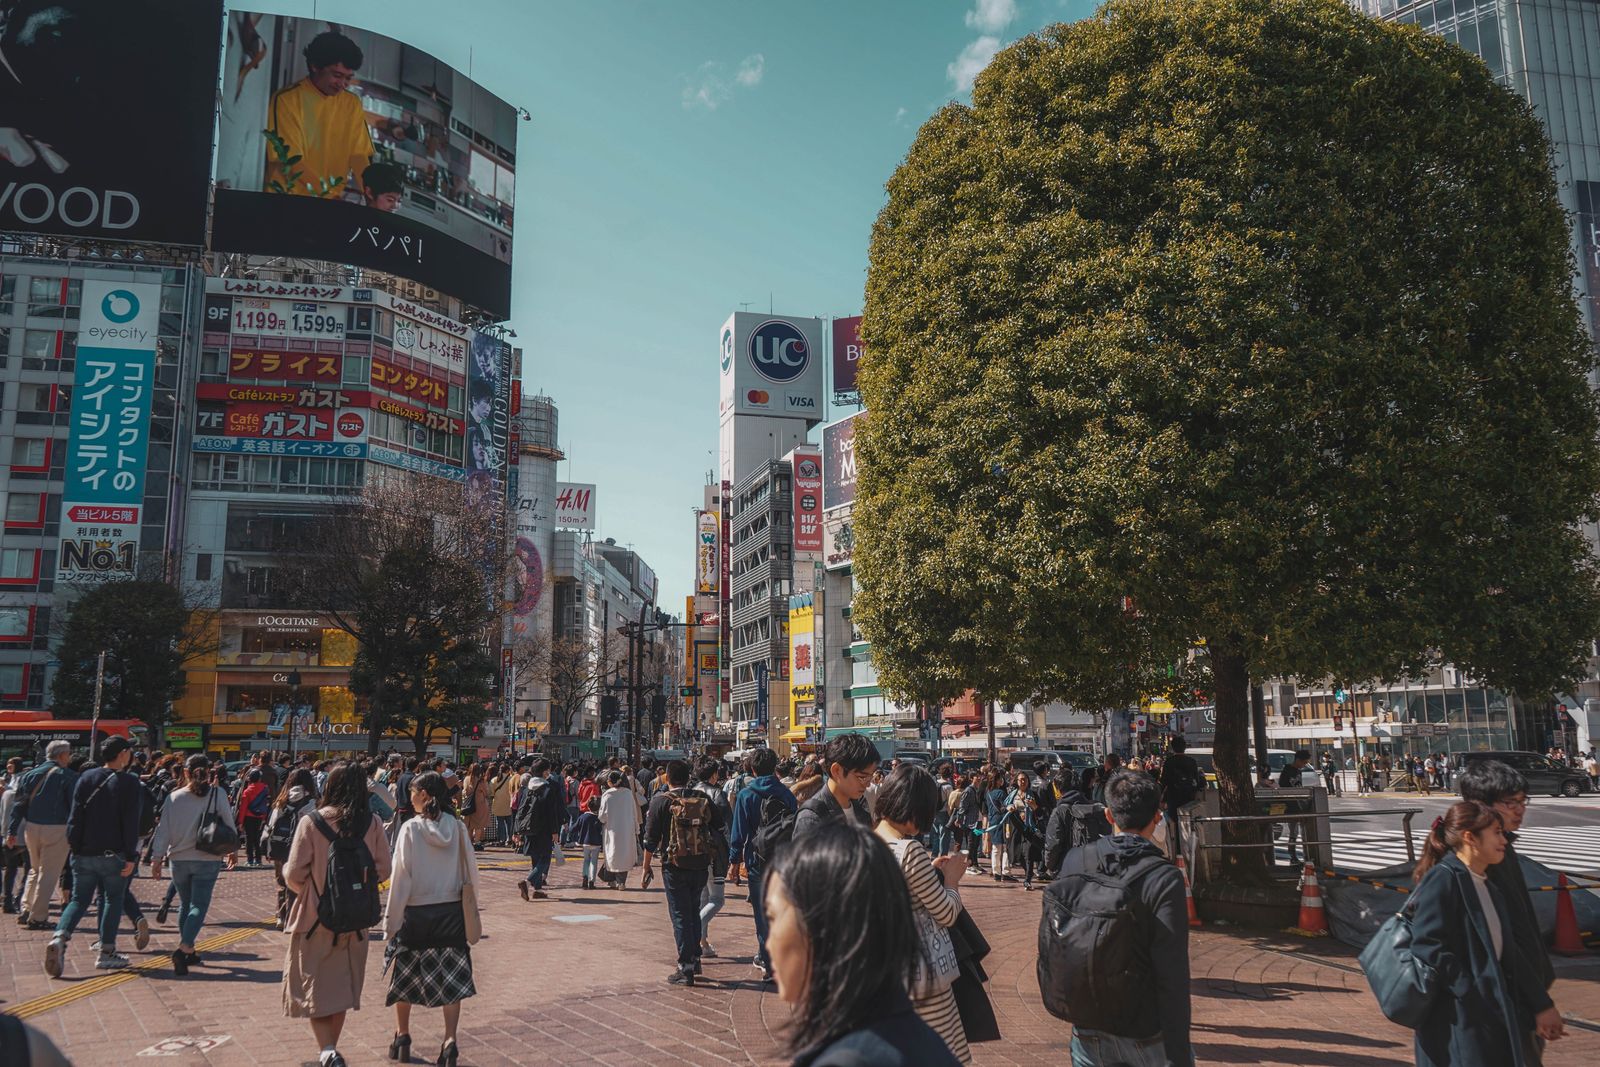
110 433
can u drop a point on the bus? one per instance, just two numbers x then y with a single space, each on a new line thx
25 734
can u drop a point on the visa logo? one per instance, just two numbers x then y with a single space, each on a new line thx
803 402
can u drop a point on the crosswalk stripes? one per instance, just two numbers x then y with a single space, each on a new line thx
1574 849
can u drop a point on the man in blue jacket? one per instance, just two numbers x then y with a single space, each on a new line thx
39 816
762 800
103 833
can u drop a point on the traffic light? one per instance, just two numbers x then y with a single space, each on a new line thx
658 710
610 710
477 732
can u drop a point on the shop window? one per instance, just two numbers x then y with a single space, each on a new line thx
40 344
19 564
13 680
16 624
30 453
25 509
34 397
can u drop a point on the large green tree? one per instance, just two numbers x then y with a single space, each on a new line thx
1245 324
413 571
146 631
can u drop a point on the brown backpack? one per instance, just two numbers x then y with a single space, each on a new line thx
689 830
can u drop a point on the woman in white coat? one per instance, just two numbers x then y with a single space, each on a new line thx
619 815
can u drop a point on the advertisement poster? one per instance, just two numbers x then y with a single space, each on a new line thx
839 463
705 552
574 506
802 662
846 355
343 144
110 435
107 118
772 365
807 502
487 406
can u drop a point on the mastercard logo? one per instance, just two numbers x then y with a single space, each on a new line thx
758 396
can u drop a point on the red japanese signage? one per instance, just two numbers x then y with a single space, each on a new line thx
278 422
846 353
276 365
807 502
423 388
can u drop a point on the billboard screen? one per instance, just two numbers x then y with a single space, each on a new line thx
107 124
772 365
807 502
108 444
839 463
488 413
342 144
846 354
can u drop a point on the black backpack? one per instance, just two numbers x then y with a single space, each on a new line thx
149 808
1089 824
533 811
1090 971
776 830
349 901
277 840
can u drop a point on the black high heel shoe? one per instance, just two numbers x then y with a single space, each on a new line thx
400 1048
448 1053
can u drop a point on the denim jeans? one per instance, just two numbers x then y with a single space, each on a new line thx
195 880
758 904
538 860
503 824
89 875
683 904
941 834
1094 1048
712 898
591 862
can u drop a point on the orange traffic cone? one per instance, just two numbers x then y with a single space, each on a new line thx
1313 918
1188 894
1567 942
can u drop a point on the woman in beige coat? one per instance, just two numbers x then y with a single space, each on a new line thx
476 787
324 972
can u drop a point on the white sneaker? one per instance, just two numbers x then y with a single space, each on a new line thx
707 951
110 961
54 953
141 933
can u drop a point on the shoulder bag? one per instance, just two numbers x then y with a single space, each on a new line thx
469 896
937 964
212 835
1404 985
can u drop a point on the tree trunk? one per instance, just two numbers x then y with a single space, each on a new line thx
420 738
1231 753
375 718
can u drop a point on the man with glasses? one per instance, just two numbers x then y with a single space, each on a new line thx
1505 790
851 761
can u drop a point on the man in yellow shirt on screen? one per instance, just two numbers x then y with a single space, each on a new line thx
320 120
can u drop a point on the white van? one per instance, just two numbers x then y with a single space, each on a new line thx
1277 759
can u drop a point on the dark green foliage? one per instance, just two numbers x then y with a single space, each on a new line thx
1256 313
143 626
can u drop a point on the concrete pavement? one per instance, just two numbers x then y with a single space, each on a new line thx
580 979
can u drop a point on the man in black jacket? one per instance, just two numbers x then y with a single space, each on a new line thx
1504 789
1181 783
686 856
1120 1014
103 833
851 760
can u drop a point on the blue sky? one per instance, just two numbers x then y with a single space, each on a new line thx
685 158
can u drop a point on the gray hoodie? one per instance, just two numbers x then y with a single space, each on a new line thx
181 813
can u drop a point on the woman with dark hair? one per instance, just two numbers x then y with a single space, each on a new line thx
906 805
324 972
1490 1009
293 800
845 970
194 871
474 802
994 810
425 923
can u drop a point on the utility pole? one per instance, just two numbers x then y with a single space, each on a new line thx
635 653
988 714
94 722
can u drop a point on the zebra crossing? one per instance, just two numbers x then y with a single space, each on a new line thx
1574 849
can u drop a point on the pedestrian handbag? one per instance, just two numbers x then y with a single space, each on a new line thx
1404 985
212 835
937 964
470 919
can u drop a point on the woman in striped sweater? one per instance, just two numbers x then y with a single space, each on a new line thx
906 805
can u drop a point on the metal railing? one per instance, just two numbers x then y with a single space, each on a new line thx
1407 813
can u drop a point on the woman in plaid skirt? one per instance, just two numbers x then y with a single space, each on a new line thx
425 923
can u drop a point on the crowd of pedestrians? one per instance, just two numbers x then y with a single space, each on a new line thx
894 979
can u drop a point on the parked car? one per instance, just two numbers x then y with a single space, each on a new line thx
1277 759
1544 774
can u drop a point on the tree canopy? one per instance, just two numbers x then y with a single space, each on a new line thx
1247 322
146 631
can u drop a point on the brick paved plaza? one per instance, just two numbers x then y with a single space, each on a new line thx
580 978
